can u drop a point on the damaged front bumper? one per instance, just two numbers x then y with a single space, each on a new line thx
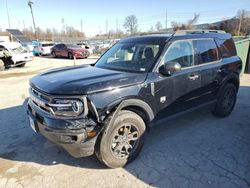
76 136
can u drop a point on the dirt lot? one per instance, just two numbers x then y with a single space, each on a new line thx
197 150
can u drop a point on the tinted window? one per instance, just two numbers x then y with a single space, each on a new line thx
206 50
60 46
45 45
181 52
226 47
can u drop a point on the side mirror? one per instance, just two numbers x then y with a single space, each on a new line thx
169 68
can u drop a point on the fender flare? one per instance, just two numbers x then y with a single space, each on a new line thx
233 78
133 102
138 103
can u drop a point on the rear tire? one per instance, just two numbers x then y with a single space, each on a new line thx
122 141
225 101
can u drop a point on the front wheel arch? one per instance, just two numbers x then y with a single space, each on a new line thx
135 105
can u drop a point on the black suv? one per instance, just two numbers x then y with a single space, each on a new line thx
106 108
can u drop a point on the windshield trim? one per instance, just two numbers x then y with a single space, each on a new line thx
122 70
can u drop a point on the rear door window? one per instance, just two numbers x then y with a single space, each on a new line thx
205 50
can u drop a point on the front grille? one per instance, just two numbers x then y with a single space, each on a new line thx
41 100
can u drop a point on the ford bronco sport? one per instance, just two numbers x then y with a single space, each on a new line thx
105 108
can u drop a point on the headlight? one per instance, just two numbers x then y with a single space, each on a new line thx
67 107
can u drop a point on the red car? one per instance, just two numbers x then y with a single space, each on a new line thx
69 50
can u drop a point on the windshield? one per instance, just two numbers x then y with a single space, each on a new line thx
130 57
73 46
19 50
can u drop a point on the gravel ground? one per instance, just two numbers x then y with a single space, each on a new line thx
196 150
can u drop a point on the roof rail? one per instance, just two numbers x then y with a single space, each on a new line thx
198 31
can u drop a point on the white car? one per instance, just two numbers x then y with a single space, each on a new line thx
45 48
20 55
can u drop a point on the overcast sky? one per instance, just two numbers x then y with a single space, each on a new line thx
95 15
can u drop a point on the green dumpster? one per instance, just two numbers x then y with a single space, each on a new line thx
242 47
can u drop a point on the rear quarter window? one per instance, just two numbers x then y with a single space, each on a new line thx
205 51
226 47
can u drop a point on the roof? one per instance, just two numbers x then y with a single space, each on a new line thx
157 38
202 34
180 34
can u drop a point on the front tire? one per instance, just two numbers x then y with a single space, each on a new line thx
225 101
70 55
122 141
53 54
21 65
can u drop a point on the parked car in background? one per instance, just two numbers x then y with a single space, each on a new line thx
87 46
42 48
83 45
46 48
36 48
20 55
69 50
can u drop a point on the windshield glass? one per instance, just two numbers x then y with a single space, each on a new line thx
73 46
130 57
19 50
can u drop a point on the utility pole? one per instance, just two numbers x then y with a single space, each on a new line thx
241 15
24 25
107 25
30 3
166 21
7 9
81 25
116 23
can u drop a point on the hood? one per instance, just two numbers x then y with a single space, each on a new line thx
83 80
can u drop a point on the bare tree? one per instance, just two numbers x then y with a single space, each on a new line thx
131 24
176 26
244 21
189 25
193 21
158 26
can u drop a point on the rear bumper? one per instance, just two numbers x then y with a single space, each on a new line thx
62 132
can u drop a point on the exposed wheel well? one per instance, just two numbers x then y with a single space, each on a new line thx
141 112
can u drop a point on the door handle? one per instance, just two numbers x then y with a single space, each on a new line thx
193 77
